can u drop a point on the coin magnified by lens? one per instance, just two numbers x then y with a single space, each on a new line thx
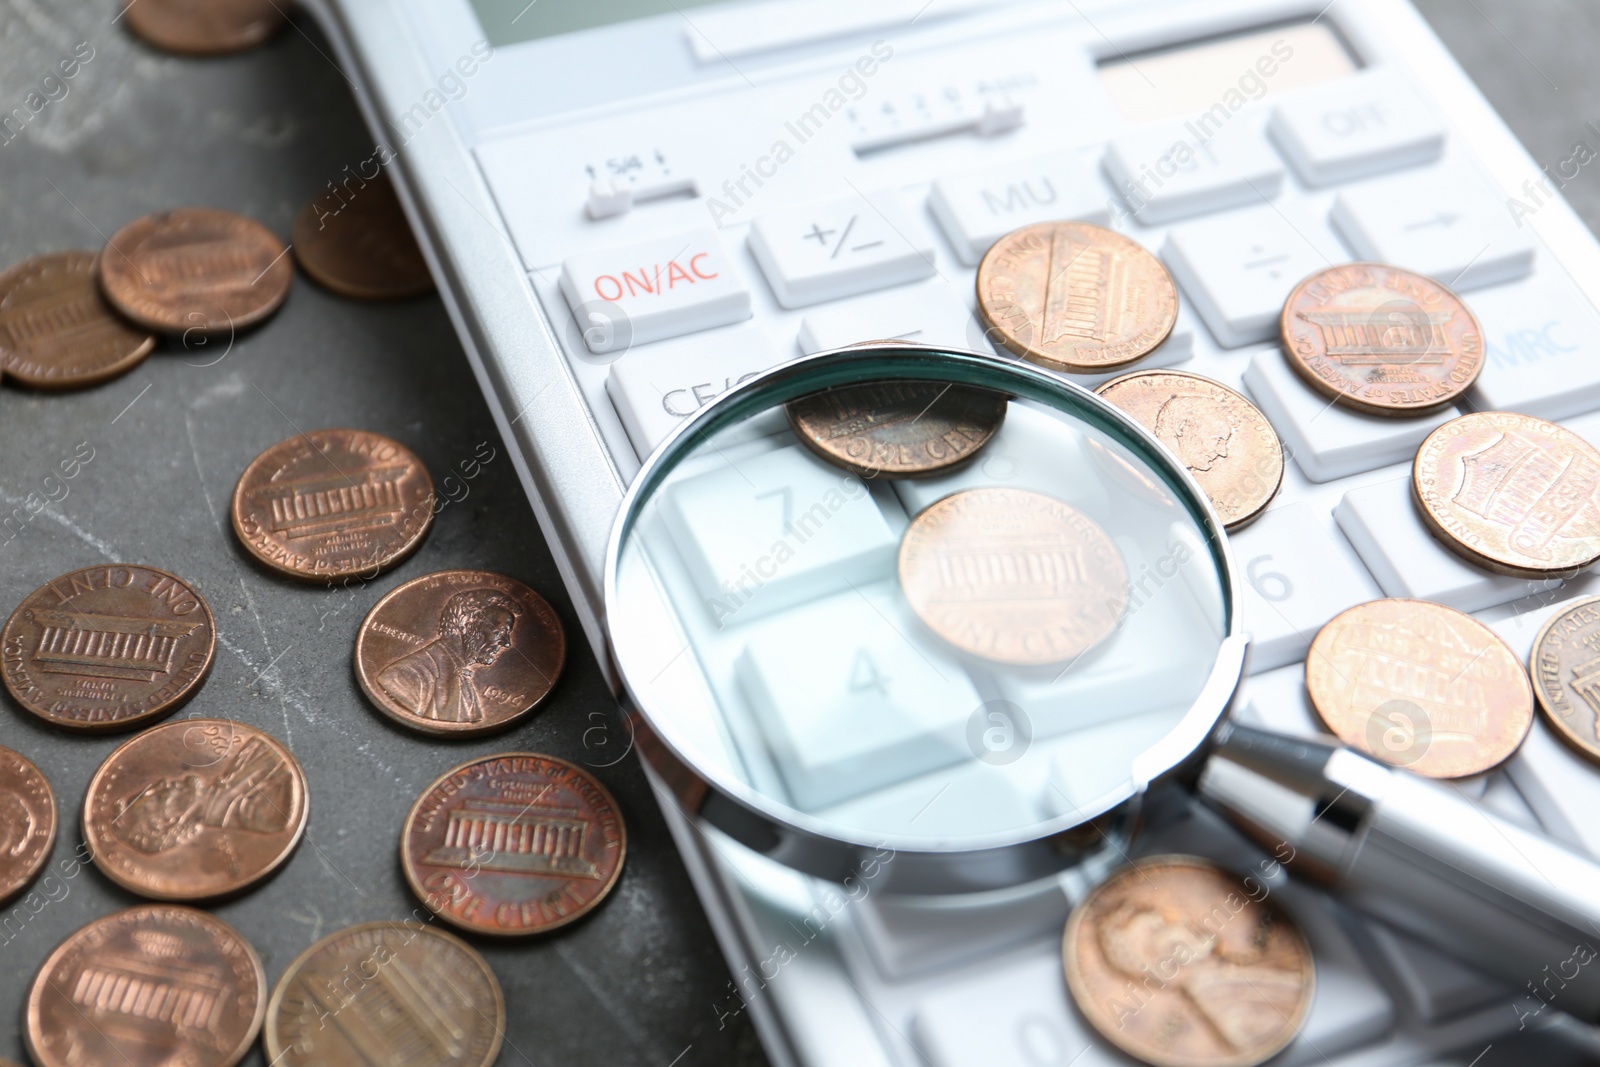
56 329
904 429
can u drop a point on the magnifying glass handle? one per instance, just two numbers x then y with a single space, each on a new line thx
1417 854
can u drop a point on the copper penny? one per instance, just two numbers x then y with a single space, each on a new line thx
386 993
1511 493
459 653
1565 667
903 429
1013 576
1420 686
1076 297
513 844
1222 439
151 986
27 822
204 27
333 504
1181 964
195 270
195 809
1381 340
108 647
359 244
57 331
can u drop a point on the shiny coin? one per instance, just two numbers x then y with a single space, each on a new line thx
27 822
1381 340
513 844
1420 686
1565 666
1181 964
108 647
333 504
902 429
195 809
152 986
195 270
397 993
204 27
359 244
1226 443
1012 576
1076 297
57 331
460 653
1511 493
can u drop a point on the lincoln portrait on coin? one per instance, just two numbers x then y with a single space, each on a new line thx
251 790
435 681
1196 429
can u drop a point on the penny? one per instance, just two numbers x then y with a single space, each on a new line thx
1181 964
1511 493
905 429
359 244
195 270
1381 340
1224 441
333 504
204 27
27 822
57 331
194 810
1565 668
513 844
1075 297
1012 576
150 986
108 647
1420 686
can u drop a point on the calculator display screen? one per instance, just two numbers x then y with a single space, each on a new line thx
509 22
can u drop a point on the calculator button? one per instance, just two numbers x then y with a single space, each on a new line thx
1328 440
662 288
1542 349
840 248
1237 269
1277 700
1436 985
654 390
1165 173
1356 127
1444 222
979 207
908 934
929 314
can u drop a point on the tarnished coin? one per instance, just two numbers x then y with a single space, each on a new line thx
204 27
195 809
1076 297
386 993
1013 576
57 331
513 844
460 653
151 986
1381 340
108 647
1226 443
1565 667
1511 493
1420 686
359 244
333 504
902 429
27 822
1181 964
195 270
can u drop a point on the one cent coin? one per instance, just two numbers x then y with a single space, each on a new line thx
1013 576
57 331
195 809
1381 340
108 647
359 244
386 993
27 822
1181 964
902 429
158 984
1420 686
195 269
1565 666
204 27
1511 493
333 504
513 844
1222 438
1076 297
